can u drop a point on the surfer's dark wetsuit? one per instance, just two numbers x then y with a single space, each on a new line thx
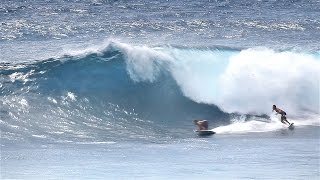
283 114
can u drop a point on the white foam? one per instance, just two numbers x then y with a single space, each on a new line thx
240 126
144 63
88 49
256 79
39 136
97 142
19 76
250 81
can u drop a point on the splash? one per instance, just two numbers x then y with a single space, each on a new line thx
242 124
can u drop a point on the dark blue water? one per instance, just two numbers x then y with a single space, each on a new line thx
43 29
119 83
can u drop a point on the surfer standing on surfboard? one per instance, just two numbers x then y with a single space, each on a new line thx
202 124
283 114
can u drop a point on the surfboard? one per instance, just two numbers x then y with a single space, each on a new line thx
291 126
204 132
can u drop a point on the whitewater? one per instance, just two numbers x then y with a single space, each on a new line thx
100 89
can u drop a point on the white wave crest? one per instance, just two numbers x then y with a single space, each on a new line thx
250 81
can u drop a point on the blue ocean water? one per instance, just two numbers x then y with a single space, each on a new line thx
100 89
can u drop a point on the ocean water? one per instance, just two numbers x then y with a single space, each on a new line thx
100 89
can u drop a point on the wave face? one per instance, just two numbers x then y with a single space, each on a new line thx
123 92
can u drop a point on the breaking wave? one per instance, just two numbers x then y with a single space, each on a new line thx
118 92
